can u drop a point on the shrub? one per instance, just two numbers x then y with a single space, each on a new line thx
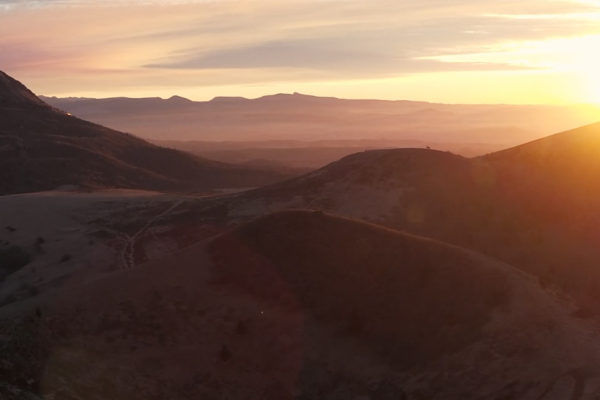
225 354
241 328
38 244
12 259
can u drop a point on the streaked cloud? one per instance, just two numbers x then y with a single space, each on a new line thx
328 55
212 43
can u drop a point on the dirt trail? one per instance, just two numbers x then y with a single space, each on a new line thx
127 255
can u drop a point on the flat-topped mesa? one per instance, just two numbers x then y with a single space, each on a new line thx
14 93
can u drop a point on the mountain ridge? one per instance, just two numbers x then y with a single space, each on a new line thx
284 116
14 93
42 148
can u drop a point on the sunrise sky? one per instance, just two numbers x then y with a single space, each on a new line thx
456 51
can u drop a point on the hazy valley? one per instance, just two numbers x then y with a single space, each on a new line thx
303 131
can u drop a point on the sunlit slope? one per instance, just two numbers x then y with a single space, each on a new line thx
560 173
536 206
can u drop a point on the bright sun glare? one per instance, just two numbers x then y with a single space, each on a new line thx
593 81
578 57
584 60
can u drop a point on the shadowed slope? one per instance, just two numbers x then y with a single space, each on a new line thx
42 148
411 298
301 305
459 324
14 93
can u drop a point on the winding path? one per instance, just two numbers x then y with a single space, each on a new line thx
127 255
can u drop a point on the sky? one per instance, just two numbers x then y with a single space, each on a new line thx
452 51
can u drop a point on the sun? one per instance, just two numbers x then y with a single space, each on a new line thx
593 90
590 77
575 57
583 60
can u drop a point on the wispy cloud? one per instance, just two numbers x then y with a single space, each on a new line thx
331 56
276 41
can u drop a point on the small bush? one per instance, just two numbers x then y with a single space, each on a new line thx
241 328
38 244
12 259
33 291
225 354
11 298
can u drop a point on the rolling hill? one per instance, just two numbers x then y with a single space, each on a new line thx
303 305
42 148
431 310
535 206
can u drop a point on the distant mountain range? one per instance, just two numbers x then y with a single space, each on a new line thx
463 129
43 148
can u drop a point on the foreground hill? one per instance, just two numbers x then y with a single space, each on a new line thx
412 298
413 302
42 148
302 305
